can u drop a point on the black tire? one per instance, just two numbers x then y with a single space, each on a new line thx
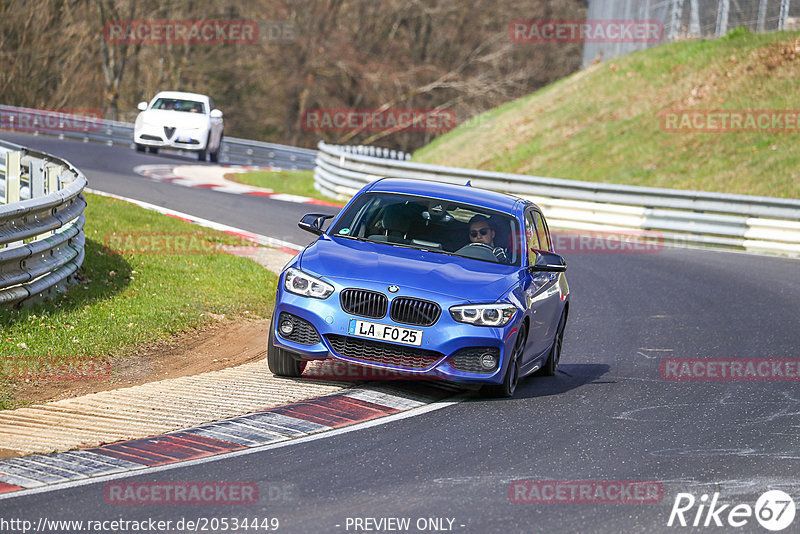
551 365
214 156
511 379
281 362
139 148
152 149
201 155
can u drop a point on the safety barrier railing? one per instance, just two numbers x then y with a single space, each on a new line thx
41 224
752 223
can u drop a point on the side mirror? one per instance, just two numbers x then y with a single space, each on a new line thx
549 262
142 106
216 114
312 222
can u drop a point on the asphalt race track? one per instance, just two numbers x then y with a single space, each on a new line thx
607 417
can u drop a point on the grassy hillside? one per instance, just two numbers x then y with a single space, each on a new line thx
603 124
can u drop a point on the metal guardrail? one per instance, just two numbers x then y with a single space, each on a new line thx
751 223
69 126
41 224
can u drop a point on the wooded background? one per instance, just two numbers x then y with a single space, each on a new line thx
446 54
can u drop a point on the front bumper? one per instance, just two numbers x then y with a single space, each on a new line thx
161 137
449 351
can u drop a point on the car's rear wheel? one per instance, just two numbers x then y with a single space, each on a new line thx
280 361
551 366
511 379
152 149
139 148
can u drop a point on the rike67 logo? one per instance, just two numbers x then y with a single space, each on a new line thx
774 510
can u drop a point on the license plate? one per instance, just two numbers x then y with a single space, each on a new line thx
385 332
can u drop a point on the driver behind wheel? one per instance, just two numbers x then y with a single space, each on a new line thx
481 231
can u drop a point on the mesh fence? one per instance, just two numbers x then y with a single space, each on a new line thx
681 19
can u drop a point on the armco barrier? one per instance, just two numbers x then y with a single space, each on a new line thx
41 224
759 224
65 125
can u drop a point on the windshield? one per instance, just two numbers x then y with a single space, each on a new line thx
431 224
176 104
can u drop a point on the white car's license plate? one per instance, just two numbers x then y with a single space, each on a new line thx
385 332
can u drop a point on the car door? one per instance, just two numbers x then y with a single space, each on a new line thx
541 289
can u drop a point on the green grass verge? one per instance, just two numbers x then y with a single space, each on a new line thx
290 182
603 124
145 277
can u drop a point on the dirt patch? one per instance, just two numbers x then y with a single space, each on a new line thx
221 344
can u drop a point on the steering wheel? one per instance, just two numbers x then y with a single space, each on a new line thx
478 251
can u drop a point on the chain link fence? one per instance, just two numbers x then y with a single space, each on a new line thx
682 19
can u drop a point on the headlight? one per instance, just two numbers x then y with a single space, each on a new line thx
484 314
300 283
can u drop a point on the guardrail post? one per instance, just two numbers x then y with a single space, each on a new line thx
12 176
784 14
694 19
37 181
762 16
52 172
722 17
675 19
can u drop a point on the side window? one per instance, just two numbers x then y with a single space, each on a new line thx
541 230
531 237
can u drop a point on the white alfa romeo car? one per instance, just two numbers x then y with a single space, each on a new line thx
187 121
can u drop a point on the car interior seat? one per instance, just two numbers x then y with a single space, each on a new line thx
396 222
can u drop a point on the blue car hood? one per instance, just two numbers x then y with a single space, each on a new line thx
463 278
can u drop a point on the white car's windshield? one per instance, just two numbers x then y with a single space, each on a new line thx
431 224
176 104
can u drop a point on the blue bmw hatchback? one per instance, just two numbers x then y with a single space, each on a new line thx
433 280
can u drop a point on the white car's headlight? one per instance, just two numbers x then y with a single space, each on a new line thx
300 283
484 314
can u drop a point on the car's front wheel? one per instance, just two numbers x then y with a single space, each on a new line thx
511 379
139 148
152 149
280 361
201 154
214 156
